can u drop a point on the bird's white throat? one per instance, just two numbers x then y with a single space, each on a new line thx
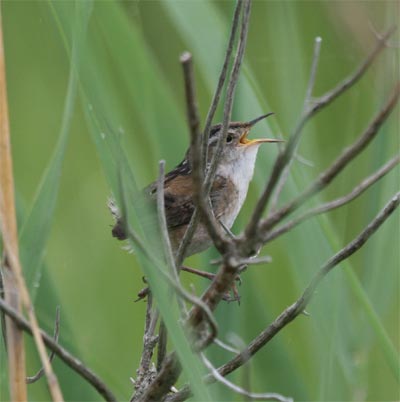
240 171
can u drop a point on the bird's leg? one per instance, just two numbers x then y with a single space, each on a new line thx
227 230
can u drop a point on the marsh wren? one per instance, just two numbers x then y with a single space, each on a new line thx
228 192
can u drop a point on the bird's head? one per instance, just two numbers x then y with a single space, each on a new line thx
238 150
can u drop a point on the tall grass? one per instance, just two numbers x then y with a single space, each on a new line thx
130 113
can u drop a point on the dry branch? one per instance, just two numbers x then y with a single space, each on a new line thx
331 205
319 103
347 156
206 132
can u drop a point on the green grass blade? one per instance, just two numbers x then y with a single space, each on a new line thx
36 229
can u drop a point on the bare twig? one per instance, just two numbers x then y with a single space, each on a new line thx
201 186
348 155
226 275
191 98
221 81
195 157
70 360
200 199
379 36
268 396
225 346
203 274
348 82
285 157
204 138
230 93
39 374
285 174
329 206
298 307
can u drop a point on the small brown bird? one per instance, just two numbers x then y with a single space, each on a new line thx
228 192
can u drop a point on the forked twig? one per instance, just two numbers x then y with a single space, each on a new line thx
306 106
206 132
230 94
267 396
201 203
347 156
319 103
338 202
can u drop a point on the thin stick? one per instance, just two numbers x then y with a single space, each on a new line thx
331 205
191 100
230 94
348 82
347 156
268 396
313 72
200 198
319 104
70 360
187 238
202 190
221 82
39 374
285 174
225 346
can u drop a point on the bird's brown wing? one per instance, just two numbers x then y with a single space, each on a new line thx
178 198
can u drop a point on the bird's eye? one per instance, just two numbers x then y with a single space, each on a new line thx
229 139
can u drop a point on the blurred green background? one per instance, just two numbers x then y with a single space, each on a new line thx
131 79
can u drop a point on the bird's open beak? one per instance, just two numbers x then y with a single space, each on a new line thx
245 141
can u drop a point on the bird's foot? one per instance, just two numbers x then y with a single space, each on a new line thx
142 294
